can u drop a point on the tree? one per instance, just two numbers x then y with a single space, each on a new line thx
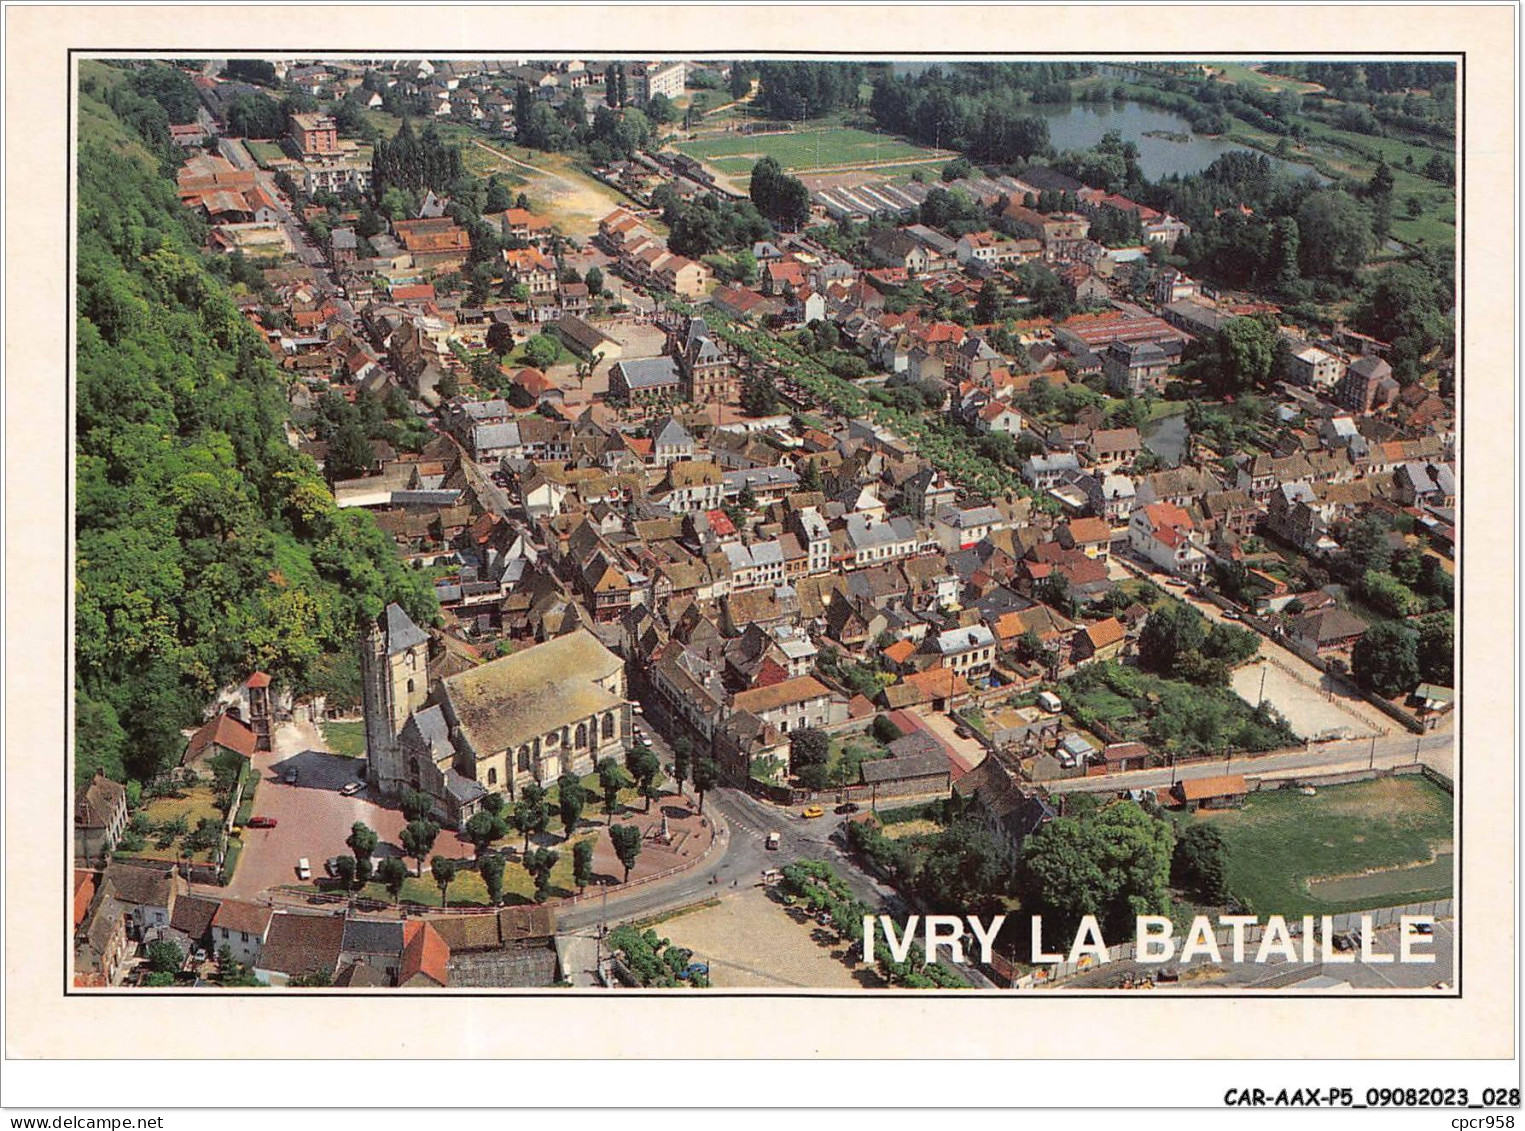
1366 544
706 777
571 796
1172 630
1437 649
417 840
627 846
958 169
362 841
759 397
349 452
393 873
611 779
582 863
165 956
1334 235
531 813
660 110
808 746
1246 351
682 760
645 767
491 870
444 870
539 864
542 351
884 729
1112 862
1385 593
500 338
1200 863
1386 659
483 829
344 871
416 805
781 198
594 281
966 867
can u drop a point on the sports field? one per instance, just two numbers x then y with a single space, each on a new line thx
1379 843
821 148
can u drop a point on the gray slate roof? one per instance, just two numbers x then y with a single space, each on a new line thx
401 632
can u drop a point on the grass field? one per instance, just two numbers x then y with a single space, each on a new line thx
467 888
1280 840
804 149
264 152
347 739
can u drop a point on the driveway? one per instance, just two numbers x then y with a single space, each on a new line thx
967 753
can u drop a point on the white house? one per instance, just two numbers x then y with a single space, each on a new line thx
1165 534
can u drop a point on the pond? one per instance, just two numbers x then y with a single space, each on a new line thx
1165 140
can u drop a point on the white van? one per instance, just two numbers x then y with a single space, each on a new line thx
304 869
772 842
1049 701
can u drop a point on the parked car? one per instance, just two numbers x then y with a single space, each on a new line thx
351 788
812 811
847 807
291 777
304 869
261 823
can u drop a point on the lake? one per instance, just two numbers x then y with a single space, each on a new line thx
1080 125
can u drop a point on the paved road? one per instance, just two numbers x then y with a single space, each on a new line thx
1435 749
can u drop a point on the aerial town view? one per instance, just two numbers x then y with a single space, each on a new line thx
706 525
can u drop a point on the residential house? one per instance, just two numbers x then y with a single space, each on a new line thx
795 703
100 817
1164 533
240 927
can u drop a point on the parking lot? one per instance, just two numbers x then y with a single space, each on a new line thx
1310 711
751 941
312 817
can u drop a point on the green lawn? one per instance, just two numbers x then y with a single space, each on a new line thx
1280 839
844 757
804 149
467 888
198 804
347 738
265 152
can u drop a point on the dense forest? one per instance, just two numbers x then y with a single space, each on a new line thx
983 110
807 90
206 546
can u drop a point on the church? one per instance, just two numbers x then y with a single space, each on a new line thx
527 717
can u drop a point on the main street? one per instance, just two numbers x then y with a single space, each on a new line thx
739 858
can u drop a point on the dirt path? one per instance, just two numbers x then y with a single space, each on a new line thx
579 204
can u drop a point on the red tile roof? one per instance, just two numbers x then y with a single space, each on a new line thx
224 731
236 915
424 955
